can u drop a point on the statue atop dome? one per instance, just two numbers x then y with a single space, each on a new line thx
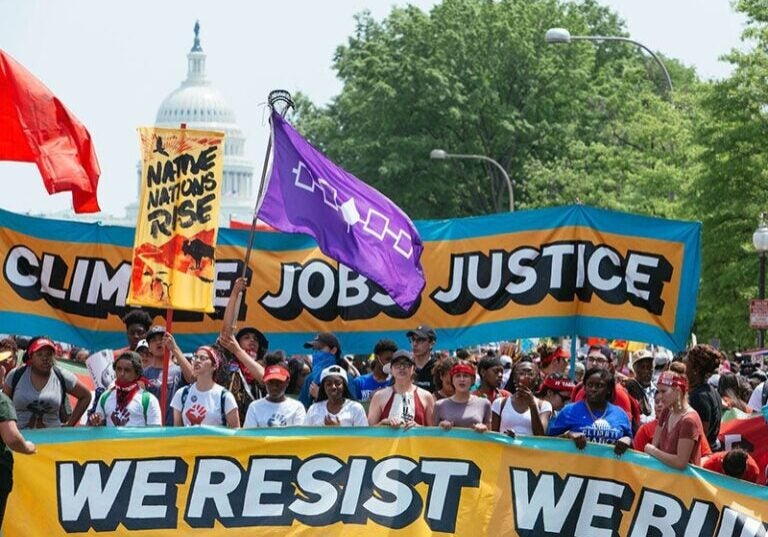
196 45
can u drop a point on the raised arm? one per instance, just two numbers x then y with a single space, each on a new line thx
230 343
230 313
186 367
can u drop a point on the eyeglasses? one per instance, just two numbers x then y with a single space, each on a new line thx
201 357
597 359
402 365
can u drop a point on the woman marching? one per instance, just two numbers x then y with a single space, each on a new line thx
335 406
205 402
126 404
462 409
594 418
678 434
521 412
404 404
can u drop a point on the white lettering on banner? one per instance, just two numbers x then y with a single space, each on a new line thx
375 224
273 491
547 505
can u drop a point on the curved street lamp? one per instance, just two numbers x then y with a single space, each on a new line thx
760 242
439 154
561 35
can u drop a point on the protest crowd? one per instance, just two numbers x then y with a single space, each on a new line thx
669 407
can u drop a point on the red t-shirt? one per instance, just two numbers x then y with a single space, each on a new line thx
687 427
621 399
644 435
715 463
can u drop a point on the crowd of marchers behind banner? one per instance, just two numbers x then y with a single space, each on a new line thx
668 407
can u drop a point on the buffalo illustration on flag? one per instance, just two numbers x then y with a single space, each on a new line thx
175 242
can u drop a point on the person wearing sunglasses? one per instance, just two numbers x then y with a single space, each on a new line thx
403 404
423 340
556 389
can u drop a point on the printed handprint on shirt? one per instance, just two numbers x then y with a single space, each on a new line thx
277 420
38 409
120 417
195 414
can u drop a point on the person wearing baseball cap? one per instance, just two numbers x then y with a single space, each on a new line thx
403 404
556 389
335 405
158 339
275 410
48 406
326 351
423 340
642 387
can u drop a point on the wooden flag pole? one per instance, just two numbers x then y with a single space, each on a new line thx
166 354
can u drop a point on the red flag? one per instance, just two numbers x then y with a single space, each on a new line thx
36 127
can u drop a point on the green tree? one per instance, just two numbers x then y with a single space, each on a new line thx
730 191
476 76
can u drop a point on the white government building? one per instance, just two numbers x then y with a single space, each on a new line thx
200 106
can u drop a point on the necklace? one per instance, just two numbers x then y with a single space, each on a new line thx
592 414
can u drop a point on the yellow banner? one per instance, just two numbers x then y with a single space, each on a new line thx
174 248
365 481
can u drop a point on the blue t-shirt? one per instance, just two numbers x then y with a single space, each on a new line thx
609 426
320 360
363 387
175 381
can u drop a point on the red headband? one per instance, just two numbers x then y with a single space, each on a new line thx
462 368
212 354
559 353
673 381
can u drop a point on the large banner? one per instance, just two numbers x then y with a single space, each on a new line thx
174 249
548 272
363 481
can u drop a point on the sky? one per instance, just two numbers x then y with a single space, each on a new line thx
113 63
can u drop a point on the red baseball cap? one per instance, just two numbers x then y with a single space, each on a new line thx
559 353
276 372
41 343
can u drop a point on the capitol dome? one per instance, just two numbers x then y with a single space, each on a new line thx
199 105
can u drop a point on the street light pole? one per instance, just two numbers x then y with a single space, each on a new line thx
760 242
561 35
439 154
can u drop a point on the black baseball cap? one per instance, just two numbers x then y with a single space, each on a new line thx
422 331
323 339
153 331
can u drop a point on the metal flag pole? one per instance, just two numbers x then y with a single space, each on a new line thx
274 99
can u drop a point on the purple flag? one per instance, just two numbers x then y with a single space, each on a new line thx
352 222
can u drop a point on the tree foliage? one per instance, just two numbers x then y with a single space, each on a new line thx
567 122
730 191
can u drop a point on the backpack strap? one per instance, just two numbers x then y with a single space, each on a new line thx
145 404
765 393
103 400
221 403
16 378
501 406
184 394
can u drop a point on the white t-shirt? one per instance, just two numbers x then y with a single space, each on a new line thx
203 408
756 400
511 419
265 413
351 414
133 413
